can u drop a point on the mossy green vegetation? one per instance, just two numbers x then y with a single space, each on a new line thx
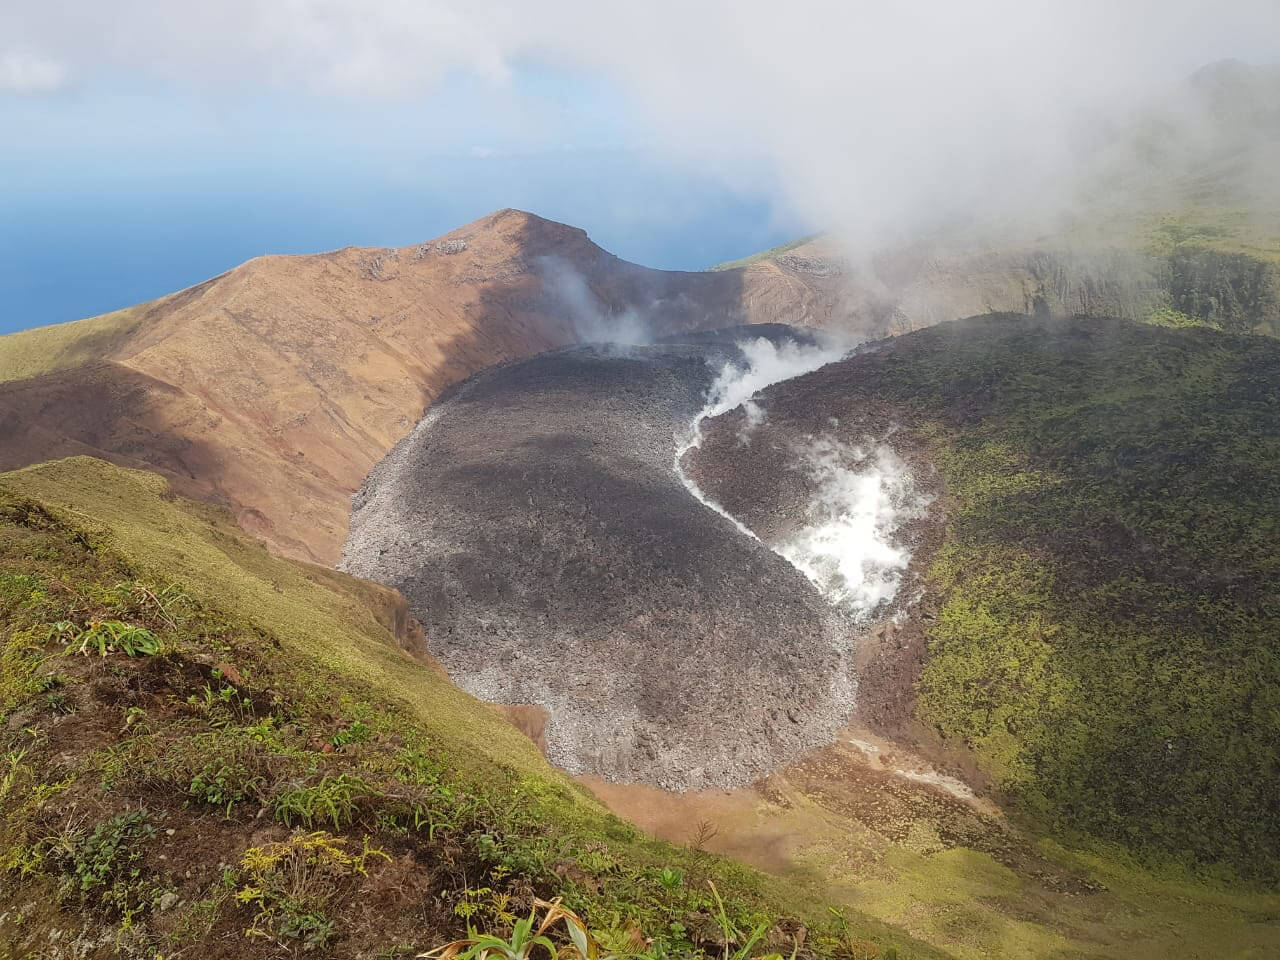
770 254
1220 231
274 775
1169 317
979 908
1216 271
1109 637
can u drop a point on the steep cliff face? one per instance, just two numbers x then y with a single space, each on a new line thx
1044 282
1173 276
1172 215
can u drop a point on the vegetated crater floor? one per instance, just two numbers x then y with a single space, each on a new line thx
535 523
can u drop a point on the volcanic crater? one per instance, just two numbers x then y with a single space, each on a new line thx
537 524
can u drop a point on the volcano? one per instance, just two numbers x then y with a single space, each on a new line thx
556 555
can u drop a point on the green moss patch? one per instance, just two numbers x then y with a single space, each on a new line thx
1109 640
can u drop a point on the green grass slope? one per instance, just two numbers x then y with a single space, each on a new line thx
771 254
1109 636
206 750
31 353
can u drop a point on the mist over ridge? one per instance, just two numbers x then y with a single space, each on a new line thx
983 125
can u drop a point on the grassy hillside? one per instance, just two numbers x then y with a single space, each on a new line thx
1109 637
244 762
1099 632
771 254
31 353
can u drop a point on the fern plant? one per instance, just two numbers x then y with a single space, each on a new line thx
334 799
106 636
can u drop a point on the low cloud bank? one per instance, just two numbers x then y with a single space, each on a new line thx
879 120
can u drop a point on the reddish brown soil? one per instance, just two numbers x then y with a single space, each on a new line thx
529 719
836 811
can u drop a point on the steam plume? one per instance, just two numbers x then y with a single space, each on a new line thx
848 545
570 296
764 363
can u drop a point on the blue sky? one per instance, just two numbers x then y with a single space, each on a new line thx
119 194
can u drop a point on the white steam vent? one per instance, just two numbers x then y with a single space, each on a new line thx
848 546
766 363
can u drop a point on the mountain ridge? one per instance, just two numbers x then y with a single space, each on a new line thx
275 386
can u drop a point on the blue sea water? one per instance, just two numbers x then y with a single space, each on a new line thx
79 245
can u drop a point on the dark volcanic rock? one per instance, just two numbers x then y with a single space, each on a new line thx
535 523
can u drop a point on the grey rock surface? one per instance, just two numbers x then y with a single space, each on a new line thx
535 524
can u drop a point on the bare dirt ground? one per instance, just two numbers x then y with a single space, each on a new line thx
885 789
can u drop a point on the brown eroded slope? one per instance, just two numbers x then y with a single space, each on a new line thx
275 387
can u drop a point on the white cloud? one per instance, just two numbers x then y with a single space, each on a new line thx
874 116
27 73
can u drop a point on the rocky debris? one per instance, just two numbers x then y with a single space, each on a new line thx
815 266
375 267
535 524
449 247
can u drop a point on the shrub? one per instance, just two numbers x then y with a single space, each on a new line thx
334 799
355 732
106 636
670 879
291 884
220 783
105 866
